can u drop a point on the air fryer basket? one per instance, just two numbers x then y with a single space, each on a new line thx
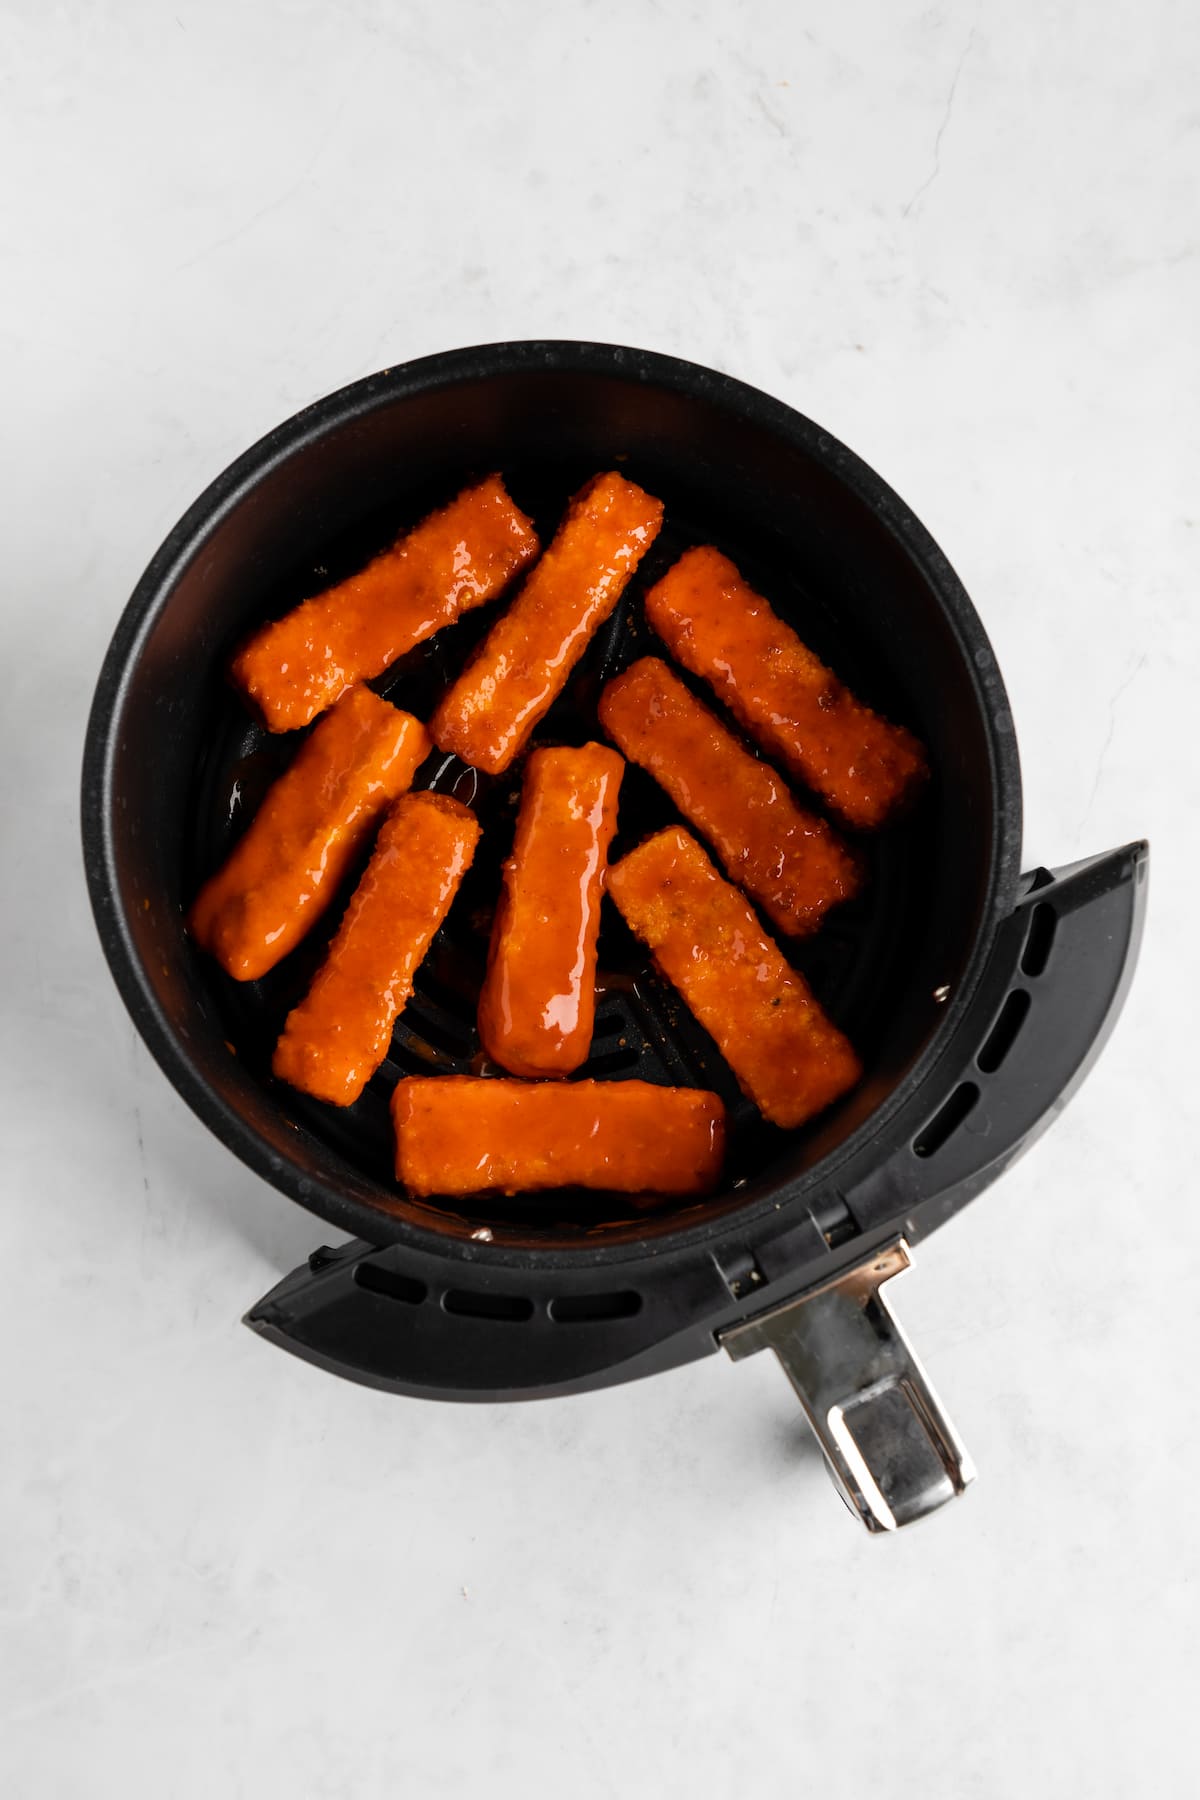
976 997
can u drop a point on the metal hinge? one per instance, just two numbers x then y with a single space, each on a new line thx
892 1452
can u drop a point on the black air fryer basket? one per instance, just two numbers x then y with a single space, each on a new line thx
977 996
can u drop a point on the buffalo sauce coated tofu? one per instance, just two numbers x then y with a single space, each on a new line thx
285 869
491 710
338 1035
461 1134
787 858
459 557
789 1059
715 624
538 1003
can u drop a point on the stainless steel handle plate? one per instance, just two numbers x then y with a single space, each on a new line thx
892 1452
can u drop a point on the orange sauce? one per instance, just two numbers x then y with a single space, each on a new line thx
336 1038
538 1003
786 858
789 1059
285 869
457 558
718 627
459 1134
489 713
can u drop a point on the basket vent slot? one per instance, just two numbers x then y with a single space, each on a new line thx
946 1121
580 1309
1004 1032
475 1303
377 1278
1039 940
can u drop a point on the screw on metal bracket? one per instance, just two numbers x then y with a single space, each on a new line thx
892 1453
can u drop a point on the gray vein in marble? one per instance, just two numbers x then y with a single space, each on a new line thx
941 130
271 206
1106 746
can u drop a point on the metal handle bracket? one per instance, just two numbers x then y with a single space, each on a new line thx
892 1453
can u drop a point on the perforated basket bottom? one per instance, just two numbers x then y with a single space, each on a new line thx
855 963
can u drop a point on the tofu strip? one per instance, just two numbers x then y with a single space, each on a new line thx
457 558
789 1059
489 713
461 1134
788 859
718 627
336 1038
538 1002
285 870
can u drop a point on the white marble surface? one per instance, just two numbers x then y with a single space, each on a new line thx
964 238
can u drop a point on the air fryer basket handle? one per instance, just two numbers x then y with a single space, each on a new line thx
1049 998
890 1448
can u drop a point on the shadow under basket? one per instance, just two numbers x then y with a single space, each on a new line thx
977 996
